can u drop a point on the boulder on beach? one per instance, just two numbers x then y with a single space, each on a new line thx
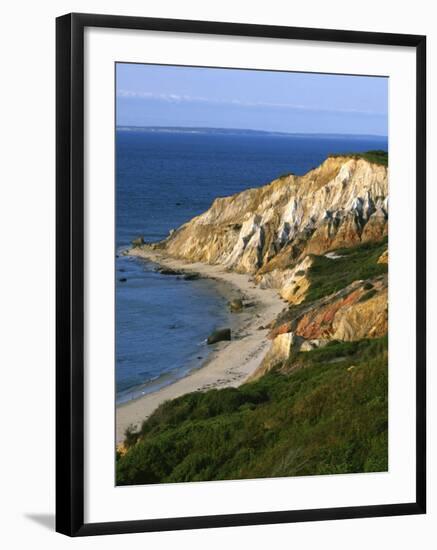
236 305
219 335
191 276
168 271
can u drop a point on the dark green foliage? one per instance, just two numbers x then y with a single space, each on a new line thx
130 436
329 416
376 157
357 263
366 296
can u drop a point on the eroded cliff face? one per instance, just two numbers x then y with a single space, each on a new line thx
274 233
358 311
340 203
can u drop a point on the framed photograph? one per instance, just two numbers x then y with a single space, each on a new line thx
240 274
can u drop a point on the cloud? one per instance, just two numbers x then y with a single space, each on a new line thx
181 98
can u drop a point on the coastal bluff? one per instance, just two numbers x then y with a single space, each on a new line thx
319 240
341 203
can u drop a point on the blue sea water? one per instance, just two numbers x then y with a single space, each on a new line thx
162 180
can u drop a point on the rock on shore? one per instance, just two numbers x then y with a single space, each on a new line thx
219 335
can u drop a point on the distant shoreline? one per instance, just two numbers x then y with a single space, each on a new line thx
242 132
230 363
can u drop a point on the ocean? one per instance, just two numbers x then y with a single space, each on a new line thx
164 179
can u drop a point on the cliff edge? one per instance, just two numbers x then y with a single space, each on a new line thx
320 239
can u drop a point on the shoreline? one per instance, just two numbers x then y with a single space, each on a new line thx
229 364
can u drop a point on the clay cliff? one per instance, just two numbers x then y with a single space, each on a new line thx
340 203
320 239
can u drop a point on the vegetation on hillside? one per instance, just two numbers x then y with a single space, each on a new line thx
327 417
377 156
356 263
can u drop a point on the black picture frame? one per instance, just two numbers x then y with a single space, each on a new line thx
70 273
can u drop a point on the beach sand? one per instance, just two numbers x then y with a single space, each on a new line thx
230 363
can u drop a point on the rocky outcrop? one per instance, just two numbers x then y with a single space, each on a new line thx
280 350
367 318
383 259
358 311
309 345
292 284
340 203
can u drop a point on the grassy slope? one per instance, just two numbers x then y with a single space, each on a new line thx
376 157
357 263
322 419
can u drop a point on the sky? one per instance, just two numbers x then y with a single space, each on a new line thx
159 95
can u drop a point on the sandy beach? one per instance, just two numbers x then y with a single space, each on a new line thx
230 363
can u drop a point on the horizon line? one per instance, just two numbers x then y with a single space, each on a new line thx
250 130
